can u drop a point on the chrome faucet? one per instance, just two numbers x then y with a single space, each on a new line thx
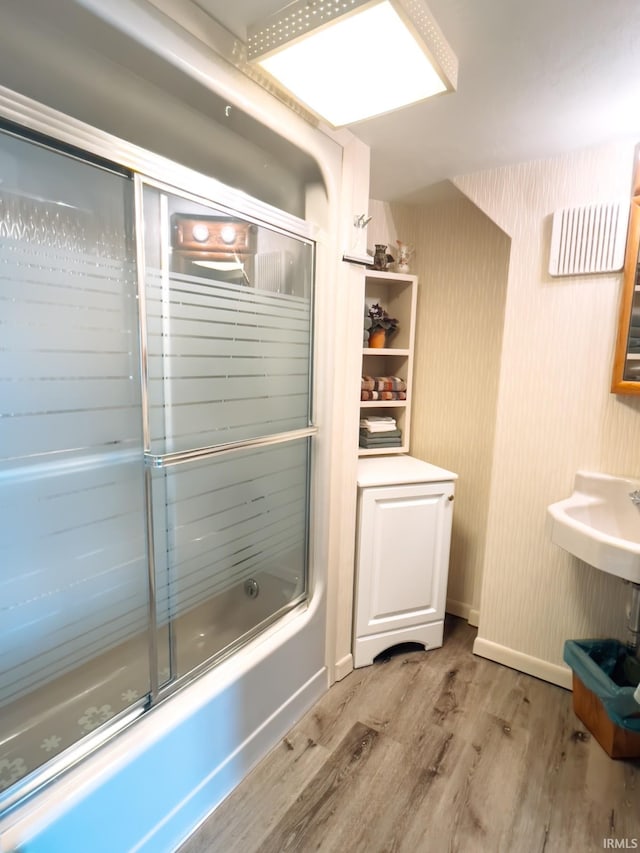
635 497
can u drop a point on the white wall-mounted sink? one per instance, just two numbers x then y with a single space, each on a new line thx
600 524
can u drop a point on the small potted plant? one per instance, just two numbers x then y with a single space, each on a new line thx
382 326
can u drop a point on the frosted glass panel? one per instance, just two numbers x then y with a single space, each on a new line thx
73 566
73 553
229 332
235 545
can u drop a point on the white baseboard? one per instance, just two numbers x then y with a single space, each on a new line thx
464 611
458 608
537 667
343 667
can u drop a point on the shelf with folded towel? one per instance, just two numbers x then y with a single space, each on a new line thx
380 433
383 389
382 429
387 372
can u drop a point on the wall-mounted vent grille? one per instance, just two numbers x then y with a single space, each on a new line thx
588 239
270 272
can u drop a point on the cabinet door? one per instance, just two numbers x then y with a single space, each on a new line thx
403 556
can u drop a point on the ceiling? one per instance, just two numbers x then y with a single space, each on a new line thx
536 78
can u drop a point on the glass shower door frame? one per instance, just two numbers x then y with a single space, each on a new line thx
29 117
162 462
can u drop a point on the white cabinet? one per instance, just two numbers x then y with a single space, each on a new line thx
397 293
405 509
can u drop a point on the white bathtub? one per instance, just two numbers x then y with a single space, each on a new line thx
149 787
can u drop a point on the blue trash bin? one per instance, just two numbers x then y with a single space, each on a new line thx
603 696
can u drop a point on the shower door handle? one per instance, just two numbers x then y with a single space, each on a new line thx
167 460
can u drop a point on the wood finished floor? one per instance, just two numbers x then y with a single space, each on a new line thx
431 752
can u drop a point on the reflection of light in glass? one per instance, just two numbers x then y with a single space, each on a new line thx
200 233
221 266
228 234
31 197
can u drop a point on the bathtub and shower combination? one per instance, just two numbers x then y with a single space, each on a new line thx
155 488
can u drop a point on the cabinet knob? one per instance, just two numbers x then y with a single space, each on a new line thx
450 497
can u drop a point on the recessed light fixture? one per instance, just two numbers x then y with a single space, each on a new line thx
200 233
228 234
348 60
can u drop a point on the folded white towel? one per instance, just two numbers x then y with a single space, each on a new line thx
378 425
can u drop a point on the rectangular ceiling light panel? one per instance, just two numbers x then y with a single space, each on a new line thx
348 60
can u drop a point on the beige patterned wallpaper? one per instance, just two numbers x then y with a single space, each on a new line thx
462 261
539 398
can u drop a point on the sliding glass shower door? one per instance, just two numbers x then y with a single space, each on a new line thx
155 388
228 343
73 579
